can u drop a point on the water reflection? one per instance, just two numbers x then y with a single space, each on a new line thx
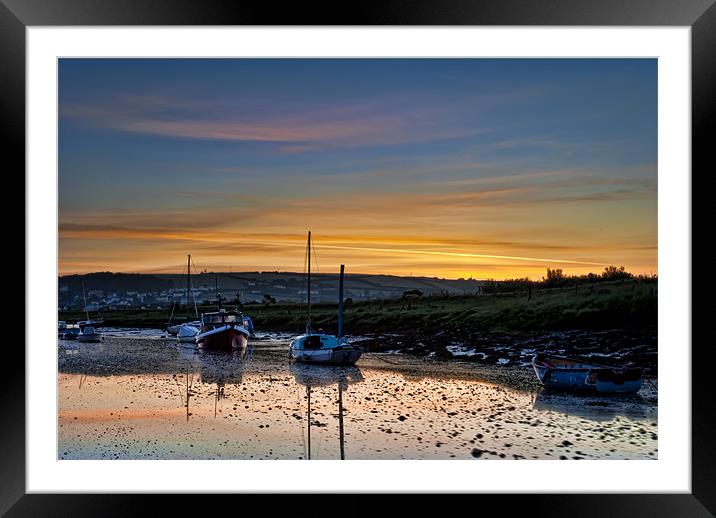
314 376
147 399
214 367
591 407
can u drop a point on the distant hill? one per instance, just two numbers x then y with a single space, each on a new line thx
114 282
106 288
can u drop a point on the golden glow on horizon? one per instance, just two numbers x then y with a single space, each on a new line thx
434 258
491 233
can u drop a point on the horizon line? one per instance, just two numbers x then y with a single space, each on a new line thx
419 276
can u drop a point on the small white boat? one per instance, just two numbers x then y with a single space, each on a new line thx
322 348
88 328
187 333
89 332
313 347
175 329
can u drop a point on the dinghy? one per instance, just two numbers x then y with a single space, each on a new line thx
187 333
562 373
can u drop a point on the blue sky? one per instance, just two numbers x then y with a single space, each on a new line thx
236 159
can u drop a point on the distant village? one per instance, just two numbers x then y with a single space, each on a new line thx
111 291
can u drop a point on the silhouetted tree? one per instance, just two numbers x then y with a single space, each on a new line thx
612 273
554 276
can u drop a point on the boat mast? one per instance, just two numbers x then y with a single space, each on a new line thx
84 297
188 281
340 302
216 289
171 315
308 324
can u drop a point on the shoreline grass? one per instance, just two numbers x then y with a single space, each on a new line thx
627 304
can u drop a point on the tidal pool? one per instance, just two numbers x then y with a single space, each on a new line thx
148 398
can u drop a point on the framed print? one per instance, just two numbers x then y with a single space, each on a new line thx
431 250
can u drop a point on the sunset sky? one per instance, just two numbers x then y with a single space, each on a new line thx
483 168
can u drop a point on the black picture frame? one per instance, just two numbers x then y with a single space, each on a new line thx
700 15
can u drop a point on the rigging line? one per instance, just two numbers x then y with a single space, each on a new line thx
172 313
305 279
315 259
191 287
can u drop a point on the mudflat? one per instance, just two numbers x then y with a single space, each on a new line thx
139 396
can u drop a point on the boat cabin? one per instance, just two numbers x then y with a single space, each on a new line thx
315 341
223 317
89 324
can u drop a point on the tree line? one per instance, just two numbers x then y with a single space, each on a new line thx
556 278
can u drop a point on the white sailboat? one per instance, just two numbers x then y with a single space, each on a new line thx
89 331
312 347
187 331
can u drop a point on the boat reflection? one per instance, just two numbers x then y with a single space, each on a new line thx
214 367
594 408
315 376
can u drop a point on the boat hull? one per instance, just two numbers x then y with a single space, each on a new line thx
187 334
602 380
333 356
90 337
227 338
175 329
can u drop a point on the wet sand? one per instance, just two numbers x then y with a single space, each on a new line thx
126 398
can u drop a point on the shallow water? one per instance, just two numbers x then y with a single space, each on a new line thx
126 398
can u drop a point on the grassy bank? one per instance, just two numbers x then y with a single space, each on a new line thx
629 304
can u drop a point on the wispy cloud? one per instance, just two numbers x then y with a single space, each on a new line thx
375 123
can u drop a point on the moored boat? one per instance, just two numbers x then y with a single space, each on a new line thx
176 329
89 331
313 347
70 332
327 349
224 330
187 332
562 373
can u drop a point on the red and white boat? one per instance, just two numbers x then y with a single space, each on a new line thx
224 330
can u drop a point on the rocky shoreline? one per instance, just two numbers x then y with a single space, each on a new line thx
610 347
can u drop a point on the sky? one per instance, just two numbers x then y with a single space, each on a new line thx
482 168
